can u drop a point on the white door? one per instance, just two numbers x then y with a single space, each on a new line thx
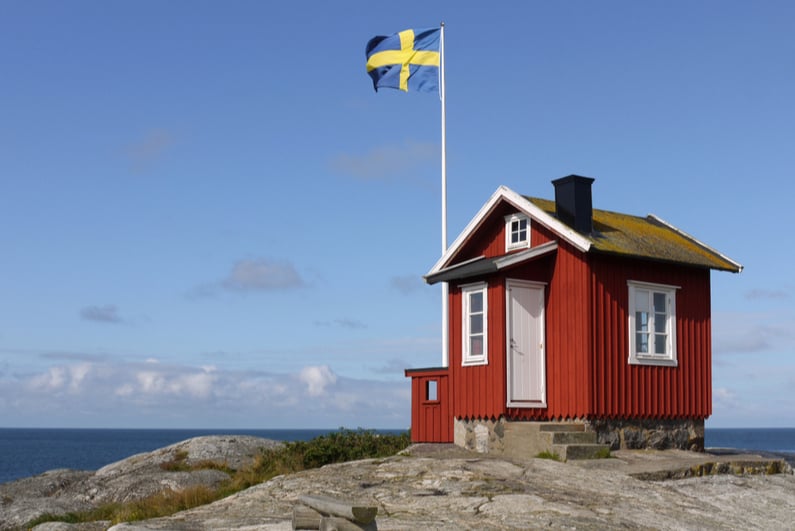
525 338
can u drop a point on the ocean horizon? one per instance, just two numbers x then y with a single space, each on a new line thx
26 452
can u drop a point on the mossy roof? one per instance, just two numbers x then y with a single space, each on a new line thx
646 237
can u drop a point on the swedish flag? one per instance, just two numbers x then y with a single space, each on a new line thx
408 60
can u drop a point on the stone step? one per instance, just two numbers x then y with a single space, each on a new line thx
572 437
561 426
581 451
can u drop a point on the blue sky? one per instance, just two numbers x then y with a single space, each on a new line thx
209 219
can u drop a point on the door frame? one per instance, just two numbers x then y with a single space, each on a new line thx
540 286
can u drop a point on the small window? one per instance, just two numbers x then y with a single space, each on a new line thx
432 391
652 324
517 232
474 306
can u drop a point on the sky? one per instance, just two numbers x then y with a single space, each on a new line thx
209 218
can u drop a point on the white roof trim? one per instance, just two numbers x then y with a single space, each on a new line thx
702 244
516 258
524 206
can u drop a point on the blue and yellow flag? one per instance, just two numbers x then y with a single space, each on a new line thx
408 60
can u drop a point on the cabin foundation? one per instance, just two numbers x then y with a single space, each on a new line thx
528 439
657 434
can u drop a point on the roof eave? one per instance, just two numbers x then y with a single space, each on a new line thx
736 266
482 266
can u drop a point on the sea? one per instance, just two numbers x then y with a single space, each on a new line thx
27 452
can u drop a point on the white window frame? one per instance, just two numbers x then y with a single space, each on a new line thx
669 357
522 244
467 358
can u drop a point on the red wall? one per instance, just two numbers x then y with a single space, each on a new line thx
624 390
431 420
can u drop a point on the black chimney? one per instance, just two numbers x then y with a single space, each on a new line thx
573 202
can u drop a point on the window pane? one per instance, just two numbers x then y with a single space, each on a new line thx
476 302
642 342
659 323
642 321
432 390
659 302
641 299
514 237
659 344
476 324
476 346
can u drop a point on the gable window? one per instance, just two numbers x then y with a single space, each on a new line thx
652 324
474 306
517 232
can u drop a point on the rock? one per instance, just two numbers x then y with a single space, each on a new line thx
63 491
459 490
446 487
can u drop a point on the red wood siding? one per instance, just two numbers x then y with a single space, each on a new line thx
631 391
431 420
567 316
479 391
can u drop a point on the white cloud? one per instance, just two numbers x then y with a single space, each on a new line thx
51 380
767 294
387 162
141 394
108 313
751 333
344 322
262 274
149 149
407 284
317 378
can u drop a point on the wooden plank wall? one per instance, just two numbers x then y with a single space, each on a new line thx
431 420
622 390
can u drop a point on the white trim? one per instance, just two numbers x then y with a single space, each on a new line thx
509 220
670 358
503 193
467 359
516 258
542 347
702 244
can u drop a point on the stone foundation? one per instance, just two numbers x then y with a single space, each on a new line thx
658 434
479 435
488 436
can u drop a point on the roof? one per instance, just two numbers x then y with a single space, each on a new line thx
614 233
482 265
647 237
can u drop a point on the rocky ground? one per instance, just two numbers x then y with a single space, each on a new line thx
139 476
448 488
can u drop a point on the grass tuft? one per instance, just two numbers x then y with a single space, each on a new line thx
548 455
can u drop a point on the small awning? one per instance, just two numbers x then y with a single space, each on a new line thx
482 265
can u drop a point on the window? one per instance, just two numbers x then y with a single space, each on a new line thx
517 231
474 306
652 324
432 391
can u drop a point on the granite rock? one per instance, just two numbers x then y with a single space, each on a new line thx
62 491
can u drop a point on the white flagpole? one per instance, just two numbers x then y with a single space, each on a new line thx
445 328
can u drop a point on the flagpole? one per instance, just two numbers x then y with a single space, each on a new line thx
445 289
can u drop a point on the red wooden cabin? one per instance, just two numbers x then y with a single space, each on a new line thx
559 312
